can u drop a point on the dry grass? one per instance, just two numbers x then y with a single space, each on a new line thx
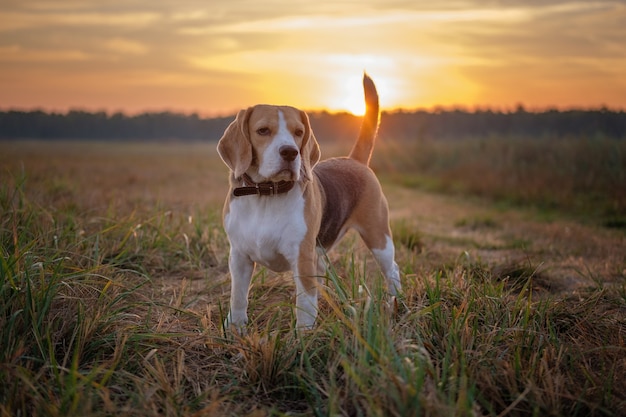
113 290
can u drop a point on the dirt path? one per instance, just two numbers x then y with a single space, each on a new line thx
565 255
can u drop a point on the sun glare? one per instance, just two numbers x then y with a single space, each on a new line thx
355 105
347 94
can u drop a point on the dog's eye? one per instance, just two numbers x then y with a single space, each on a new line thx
299 132
264 131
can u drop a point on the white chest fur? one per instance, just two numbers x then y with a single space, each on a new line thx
268 229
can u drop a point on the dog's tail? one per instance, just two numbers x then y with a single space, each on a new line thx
362 149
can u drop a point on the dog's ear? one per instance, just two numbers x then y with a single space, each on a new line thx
310 150
234 147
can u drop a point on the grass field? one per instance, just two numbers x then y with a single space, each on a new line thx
114 287
581 177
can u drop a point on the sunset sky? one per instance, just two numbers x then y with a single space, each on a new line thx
217 56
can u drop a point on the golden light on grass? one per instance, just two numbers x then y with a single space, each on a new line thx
120 317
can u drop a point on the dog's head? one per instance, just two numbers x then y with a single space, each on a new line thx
270 143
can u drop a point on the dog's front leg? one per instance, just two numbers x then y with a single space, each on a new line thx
241 269
307 281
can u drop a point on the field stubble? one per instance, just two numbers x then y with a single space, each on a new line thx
113 288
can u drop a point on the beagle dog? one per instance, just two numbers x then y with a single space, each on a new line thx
284 207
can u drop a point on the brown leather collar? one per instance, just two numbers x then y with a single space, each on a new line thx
262 188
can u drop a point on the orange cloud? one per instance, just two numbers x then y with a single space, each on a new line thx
223 55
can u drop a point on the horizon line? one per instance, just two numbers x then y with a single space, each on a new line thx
390 110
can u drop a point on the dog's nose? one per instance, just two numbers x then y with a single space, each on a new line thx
288 153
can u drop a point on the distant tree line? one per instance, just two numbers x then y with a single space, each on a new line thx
400 125
520 123
100 125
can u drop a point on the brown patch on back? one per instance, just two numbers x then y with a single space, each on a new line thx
354 199
342 186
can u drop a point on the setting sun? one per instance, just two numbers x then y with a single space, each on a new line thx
351 105
345 91
346 94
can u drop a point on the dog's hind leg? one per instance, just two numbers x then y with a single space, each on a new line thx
386 260
380 243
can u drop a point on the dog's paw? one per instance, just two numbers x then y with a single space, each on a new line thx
236 323
396 305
